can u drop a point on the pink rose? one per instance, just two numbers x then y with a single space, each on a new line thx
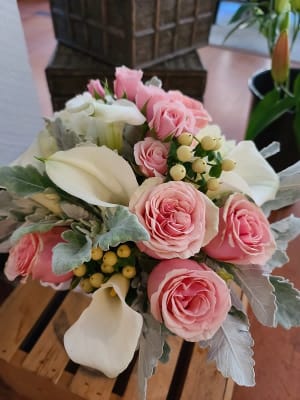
151 156
244 235
32 255
147 96
179 218
200 114
189 298
171 118
95 88
126 82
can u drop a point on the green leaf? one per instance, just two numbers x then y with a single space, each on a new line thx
269 109
43 226
288 302
67 256
23 181
296 88
231 349
122 226
241 12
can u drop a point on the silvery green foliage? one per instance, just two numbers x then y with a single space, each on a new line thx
270 150
289 189
259 292
231 349
283 231
76 250
288 302
65 138
75 212
42 226
154 81
23 181
119 226
151 348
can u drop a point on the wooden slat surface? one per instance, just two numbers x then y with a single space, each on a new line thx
48 357
19 313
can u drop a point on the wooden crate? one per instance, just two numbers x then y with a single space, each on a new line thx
133 32
69 71
34 365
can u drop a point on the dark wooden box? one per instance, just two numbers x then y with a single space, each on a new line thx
69 72
137 33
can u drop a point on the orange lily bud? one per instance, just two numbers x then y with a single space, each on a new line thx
281 59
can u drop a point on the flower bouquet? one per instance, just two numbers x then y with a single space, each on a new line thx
134 197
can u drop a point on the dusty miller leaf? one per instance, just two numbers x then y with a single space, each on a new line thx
289 189
284 231
259 292
122 226
288 302
76 250
23 181
65 138
74 212
231 349
42 226
150 351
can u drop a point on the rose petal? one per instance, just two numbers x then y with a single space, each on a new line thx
94 174
106 334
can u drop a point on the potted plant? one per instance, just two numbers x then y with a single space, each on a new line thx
275 114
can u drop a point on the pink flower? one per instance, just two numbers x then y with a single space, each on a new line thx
171 118
244 235
32 255
179 218
147 96
189 298
95 88
151 156
126 82
200 114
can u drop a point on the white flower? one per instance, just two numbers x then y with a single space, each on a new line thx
106 334
252 174
94 174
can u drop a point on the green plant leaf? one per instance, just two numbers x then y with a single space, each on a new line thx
296 88
76 250
43 226
241 12
23 181
122 226
269 109
288 302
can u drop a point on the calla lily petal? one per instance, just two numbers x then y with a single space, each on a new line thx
121 111
250 165
106 334
94 174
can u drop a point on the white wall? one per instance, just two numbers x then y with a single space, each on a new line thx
20 113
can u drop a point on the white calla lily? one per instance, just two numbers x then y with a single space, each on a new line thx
106 334
94 174
251 165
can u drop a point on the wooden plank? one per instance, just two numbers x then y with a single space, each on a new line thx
159 383
92 385
19 313
203 381
48 357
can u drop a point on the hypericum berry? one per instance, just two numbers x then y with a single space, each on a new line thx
177 172
96 279
185 139
213 184
97 253
228 165
123 251
107 269
80 270
110 258
86 285
199 165
218 144
184 153
129 271
208 143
